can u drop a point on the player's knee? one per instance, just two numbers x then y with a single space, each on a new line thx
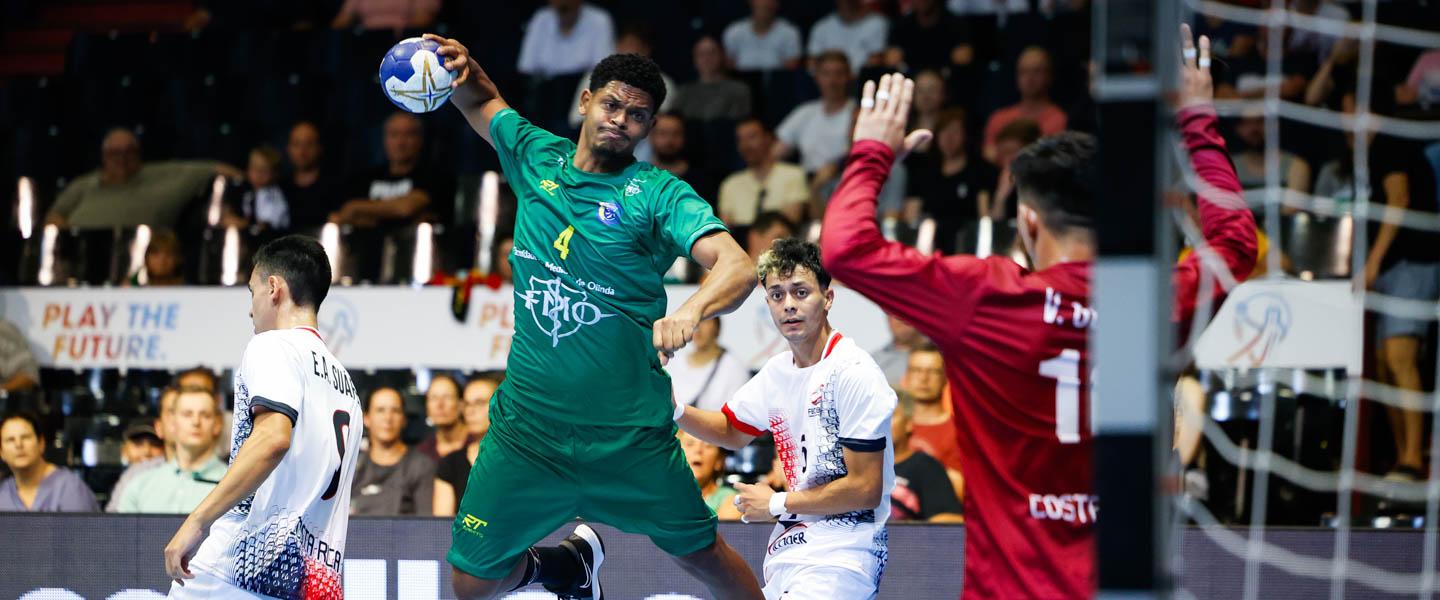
469 587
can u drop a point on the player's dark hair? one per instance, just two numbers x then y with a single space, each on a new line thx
787 254
633 70
1057 176
302 263
365 405
28 417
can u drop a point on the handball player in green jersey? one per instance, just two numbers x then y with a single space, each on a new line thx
583 424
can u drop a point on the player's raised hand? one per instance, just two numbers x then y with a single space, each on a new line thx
1196 86
457 57
673 332
884 112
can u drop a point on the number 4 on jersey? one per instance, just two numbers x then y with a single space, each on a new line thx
562 243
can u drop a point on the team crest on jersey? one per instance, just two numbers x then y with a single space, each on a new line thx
609 213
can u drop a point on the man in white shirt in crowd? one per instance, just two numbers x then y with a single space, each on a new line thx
566 38
820 129
764 41
853 30
707 375
766 184
830 409
276 523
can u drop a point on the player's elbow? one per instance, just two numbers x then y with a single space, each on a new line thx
867 492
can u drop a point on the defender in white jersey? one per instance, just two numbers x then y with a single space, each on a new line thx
275 525
829 407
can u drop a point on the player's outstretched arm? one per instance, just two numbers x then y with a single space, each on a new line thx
1225 219
901 279
475 93
711 426
731 279
858 489
268 442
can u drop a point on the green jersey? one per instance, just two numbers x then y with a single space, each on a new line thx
590 253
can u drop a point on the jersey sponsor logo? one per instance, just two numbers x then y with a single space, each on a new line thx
523 253
1070 508
472 524
609 213
558 309
633 187
792 536
549 186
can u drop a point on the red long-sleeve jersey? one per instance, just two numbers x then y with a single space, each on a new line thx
1015 344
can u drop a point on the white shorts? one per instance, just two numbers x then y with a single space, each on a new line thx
205 586
818 582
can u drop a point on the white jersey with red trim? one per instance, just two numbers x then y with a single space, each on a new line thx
815 413
288 539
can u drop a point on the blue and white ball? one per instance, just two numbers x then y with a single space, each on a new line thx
414 77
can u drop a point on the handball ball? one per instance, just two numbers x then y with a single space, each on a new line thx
414 77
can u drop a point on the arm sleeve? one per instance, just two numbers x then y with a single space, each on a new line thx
81 499
604 36
790 47
746 409
271 372
817 36
1225 219
789 129
129 499
682 217
900 279
529 60
865 404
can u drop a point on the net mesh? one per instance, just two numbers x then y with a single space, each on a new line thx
1248 535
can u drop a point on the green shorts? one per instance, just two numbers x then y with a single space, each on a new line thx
533 476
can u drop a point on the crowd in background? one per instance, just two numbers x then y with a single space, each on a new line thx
758 122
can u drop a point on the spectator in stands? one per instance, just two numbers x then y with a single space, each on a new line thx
442 410
634 39
19 372
706 376
36 485
667 140
405 189
1403 262
1245 72
137 437
763 42
476 403
766 184
894 357
1032 77
312 193
930 100
930 37
923 491
260 201
1422 86
179 485
933 427
390 478
1008 143
1249 158
1336 76
453 471
767 228
820 129
851 30
950 186
164 261
566 38
126 192
198 378
713 95
1313 43
140 443
707 462
395 15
